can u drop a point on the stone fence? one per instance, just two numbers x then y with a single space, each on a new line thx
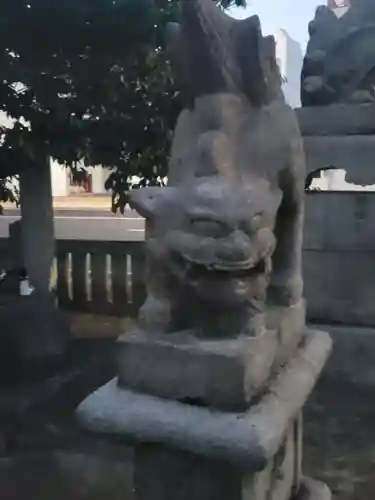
107 277
339 257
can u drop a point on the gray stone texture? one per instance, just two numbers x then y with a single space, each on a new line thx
338 258
212 387
250 438
224 374
340 136
352 361
339 62
352 153
227 231
337 119
162 473
38 239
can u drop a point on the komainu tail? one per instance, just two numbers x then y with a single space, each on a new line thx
213 53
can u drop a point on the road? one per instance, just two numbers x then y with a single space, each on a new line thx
79 213
87 225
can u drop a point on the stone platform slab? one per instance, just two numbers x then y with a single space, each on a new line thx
251 437
223 374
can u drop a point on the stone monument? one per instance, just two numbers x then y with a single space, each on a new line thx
339 65
212 385
338 92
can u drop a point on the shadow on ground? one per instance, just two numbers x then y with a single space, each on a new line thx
60 463
340 440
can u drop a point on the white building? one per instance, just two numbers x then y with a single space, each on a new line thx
290 59
289 55
64 185
62 182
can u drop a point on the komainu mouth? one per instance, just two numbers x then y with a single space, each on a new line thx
227 230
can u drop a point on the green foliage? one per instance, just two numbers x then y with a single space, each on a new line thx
8 193
88 83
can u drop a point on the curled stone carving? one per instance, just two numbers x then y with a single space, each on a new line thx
225 243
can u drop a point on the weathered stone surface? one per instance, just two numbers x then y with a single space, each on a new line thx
352 232
354 154
339 62
340 286
337 120
227 231
251 438
341 243
352 361
164 473
224 316
339 274
289 326
224 374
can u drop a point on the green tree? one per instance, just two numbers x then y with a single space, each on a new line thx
87 82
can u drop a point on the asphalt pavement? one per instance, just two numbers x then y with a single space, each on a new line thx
87 225
87 213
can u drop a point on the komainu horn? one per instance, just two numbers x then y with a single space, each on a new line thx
226 238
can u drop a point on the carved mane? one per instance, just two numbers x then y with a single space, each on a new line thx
213 53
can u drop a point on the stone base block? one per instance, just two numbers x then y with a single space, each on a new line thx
163 473
250 438
224 374
189 452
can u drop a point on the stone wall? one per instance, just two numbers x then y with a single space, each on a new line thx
339 257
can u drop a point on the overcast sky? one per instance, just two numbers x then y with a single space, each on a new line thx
291 15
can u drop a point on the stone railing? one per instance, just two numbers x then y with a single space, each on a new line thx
108 277
100 277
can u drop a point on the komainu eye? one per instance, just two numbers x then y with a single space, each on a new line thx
206 227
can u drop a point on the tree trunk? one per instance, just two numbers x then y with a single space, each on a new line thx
37 225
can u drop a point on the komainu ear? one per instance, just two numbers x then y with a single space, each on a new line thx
153 202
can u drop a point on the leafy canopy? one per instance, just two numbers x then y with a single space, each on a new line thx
87 82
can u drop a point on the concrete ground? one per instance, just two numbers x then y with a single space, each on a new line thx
339 435
89 326
339 449
339 419
340 439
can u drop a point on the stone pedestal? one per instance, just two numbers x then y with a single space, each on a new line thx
225 374
211 443
340 136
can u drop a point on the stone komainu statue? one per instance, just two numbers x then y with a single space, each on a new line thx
339 65
227 230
